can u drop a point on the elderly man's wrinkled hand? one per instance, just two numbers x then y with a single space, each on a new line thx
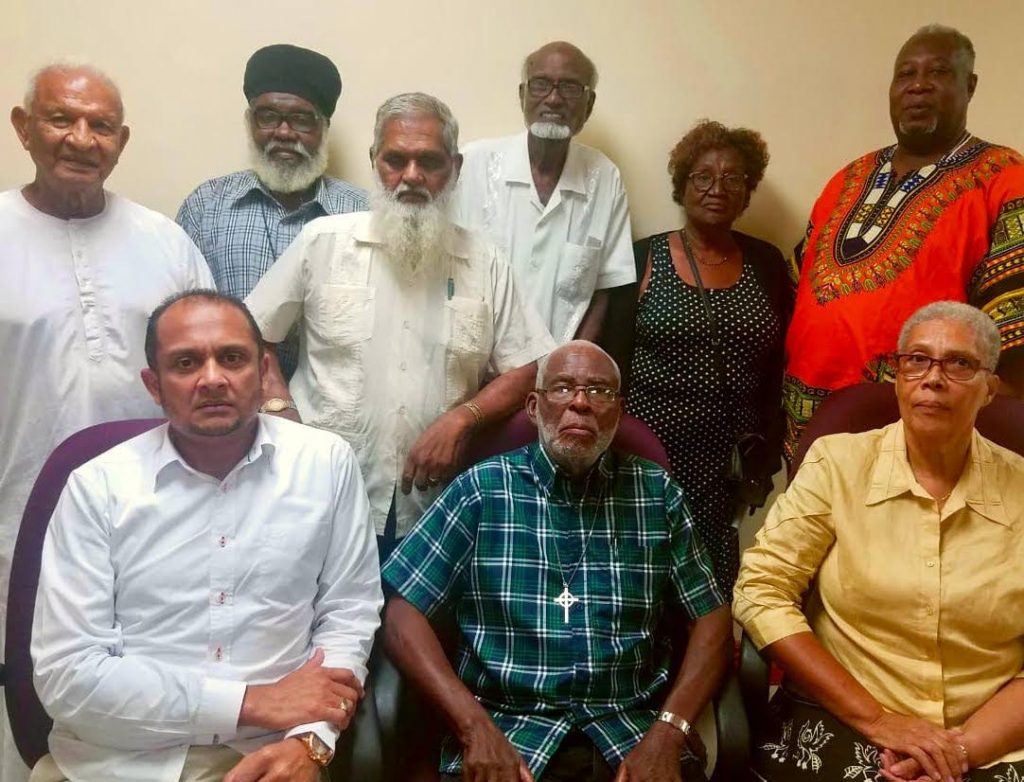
436 455
656 758
935 749
487 756
282 761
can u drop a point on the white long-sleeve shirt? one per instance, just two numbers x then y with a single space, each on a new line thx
164 592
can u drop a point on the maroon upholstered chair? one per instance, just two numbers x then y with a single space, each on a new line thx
30 725
873 405
633 436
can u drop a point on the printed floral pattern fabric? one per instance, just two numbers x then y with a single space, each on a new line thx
824 748
879 247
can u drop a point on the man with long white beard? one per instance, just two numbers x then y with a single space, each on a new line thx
404 317
556 207
244 221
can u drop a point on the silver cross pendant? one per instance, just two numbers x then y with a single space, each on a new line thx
566 600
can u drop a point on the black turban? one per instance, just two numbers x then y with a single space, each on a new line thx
296 71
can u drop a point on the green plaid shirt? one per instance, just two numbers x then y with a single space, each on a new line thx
489 546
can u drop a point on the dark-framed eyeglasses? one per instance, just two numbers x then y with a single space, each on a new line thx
564 393
958 368
540 87
703 181
299 121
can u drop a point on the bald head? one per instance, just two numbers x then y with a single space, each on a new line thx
566 50
59 73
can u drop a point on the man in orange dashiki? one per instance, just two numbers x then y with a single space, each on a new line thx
939 215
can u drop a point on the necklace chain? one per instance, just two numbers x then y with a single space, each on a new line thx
586 544
686 241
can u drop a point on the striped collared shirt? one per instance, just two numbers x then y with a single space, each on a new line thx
242 229
500 544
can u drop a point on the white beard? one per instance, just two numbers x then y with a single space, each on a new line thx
550 130
415 235
283 176
573 455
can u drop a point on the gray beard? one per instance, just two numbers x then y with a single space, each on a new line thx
287 177
550 131
415 235
569 455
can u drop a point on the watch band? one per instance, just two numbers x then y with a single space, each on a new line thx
277 404
676 722
318 752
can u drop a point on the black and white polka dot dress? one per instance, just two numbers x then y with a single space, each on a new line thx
678 391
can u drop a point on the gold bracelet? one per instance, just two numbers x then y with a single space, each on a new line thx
478 415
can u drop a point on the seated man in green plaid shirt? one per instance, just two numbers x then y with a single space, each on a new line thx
559 560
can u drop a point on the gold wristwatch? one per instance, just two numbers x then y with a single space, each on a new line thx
319 752
277 404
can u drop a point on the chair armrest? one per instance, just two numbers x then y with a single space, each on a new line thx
733 733
754 678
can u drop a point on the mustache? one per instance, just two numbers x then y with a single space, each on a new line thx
288 146
404 188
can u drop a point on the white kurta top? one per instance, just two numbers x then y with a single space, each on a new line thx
164 591
73 310
562 252
381 355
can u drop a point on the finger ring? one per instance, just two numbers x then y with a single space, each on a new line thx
963 750
432 479
345 704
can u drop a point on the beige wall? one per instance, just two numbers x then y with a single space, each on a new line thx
811 75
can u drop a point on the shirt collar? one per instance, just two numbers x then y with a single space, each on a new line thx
456 243
978 485
248 183
518 168
551 477
167 455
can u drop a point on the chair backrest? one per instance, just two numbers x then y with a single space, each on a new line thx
633 436
868 406
30 725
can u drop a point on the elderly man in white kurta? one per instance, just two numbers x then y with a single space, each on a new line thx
83 270
403 317
557 208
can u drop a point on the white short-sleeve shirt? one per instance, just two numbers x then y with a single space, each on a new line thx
561 252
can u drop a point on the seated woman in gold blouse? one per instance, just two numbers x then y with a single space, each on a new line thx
888 583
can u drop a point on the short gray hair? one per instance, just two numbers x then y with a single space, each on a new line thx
410 104
962 44
986 333
542 362
524 73
69 66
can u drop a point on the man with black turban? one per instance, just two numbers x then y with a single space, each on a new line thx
243 221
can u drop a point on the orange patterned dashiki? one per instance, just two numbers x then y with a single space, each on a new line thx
878 248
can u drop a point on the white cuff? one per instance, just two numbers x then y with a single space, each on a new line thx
219 706
327 732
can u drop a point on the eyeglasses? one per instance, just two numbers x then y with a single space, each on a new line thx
703 181
564 393
299 121
540 87
958 368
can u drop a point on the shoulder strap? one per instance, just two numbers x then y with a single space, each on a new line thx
716 342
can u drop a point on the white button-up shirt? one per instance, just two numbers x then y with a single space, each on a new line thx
164 591
563 251
73 311
381 355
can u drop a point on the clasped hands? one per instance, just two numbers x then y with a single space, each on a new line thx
311 693
915 750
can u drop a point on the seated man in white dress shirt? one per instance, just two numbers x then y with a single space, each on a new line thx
209 590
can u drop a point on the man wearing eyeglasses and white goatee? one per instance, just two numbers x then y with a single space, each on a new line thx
556 207
243 221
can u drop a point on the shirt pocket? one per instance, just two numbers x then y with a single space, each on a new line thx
343 314
580 268
636 581
469 336
291 554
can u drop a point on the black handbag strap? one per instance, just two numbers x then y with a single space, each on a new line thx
716 340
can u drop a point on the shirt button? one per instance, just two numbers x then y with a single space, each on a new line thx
222 541
218 654
401 410
402 366
405 324
930 563
221 598
929 610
